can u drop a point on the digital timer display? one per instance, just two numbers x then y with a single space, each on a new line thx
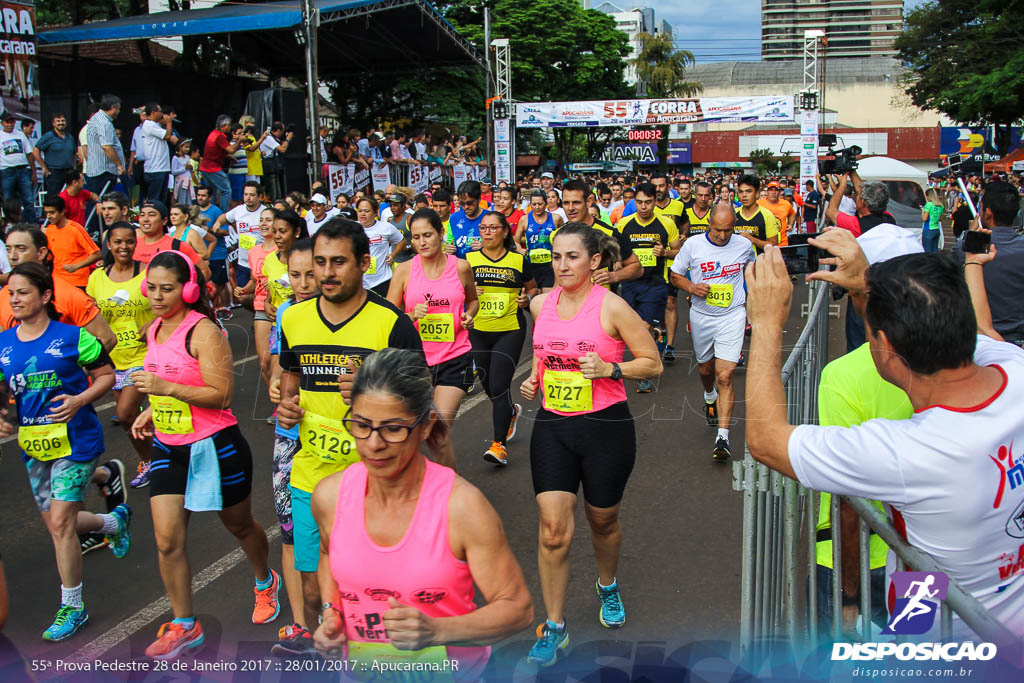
645 134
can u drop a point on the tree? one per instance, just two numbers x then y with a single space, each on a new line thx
663 69
966 60
762 160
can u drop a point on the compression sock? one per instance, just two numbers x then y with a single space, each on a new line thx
111 524
711 397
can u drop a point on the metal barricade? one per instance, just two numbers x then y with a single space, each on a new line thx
779 515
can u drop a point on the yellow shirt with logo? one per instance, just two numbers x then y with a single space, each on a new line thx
279 288
642 237
126 310
319 352
698 224
499 283
763 224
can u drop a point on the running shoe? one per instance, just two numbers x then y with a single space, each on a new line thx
142 478
670 354
172 639
92 541
223 313
115 491
496 453
517 410
644 386
114 421
273 418
721 452
293 641
742 361
711 413
66 623
267 605
121 540
612 614
747 330
550 639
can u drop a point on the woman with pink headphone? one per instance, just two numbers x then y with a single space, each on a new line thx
200 461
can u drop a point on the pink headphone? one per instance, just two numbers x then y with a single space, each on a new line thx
190 292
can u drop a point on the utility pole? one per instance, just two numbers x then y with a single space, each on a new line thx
489 138
310 21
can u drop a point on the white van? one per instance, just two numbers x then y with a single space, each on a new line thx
906 186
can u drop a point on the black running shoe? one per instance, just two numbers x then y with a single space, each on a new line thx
670 355
721 452
115 490
711 413
92 541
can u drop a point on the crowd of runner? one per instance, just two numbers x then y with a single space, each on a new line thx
373 317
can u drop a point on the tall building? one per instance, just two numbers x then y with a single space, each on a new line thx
854 28
633 22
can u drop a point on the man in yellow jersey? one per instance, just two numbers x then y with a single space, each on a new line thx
697 217
574 203
655 241
323 342
781 209
674 209
753 221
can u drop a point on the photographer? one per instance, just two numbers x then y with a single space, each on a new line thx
273 148
155 133
871 200
252 143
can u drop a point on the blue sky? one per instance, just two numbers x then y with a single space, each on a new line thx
715 30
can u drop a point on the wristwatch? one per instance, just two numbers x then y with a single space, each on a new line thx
329 605
616 372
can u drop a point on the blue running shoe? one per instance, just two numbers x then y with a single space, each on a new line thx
550 639
66 623
121 540
612 614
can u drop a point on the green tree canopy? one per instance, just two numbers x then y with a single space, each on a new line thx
663 67
966 60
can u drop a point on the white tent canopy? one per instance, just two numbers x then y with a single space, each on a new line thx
884 168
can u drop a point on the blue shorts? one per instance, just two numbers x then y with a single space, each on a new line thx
219 271
242 275
648 300
305 533
62 479
237 181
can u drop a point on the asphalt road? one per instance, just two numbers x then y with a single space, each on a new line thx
679 571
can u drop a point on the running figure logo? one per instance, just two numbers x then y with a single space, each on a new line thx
917 597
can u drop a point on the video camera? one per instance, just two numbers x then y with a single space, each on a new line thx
843 160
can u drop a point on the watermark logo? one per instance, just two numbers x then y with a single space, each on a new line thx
918 595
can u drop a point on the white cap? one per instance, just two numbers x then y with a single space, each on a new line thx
318 198
887 241
547 174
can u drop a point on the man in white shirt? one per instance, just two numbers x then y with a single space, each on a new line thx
15 173
949 474
243 233
318 213
273 148
155 134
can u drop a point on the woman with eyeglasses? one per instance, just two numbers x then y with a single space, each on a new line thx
406 542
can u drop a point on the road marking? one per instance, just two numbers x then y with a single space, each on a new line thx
109 640
110 404
145 616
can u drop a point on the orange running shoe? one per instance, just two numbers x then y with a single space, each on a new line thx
496 453
172 639
267 605
517 410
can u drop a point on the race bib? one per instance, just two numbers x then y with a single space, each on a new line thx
171 416
247 241
646 257
45 442
719 295
327 439
407 666
373 266
568 391
540 256
495 304
437 327
126 332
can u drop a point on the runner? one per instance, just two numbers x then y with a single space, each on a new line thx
153 237
753 221
385 243
584 431
244 220
533 237
504 286
321 339
626 266
398 522
686 193
782 210
48 366
697 217
218 255
710 269
187 231
441 203
664 205
505 200
294 640
438 292
319 213
201 460
287 229
465 223
655 241
255 292
116 289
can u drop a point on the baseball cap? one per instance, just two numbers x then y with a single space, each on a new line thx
774 183
318 198
397 197
547 174
7 116
486 180
888 241
155 204
788 192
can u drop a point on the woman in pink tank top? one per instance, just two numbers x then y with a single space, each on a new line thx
583 433
200 460
255 292
408 539
438 292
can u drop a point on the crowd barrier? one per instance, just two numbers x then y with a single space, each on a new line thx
346 178
778 604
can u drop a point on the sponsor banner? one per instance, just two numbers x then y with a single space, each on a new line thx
460 174
381 177
502 130
418 178
435 174
643 153
362 178
503 162
679 153
774 109
341 179
808 149
20 95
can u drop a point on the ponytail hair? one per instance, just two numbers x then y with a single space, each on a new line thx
594 241
176 263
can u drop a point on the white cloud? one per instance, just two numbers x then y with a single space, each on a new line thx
717 30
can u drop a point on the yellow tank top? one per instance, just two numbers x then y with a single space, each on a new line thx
126 310
279 287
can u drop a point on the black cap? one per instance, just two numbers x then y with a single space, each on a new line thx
7 116
154 204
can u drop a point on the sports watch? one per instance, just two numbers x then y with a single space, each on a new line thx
616 372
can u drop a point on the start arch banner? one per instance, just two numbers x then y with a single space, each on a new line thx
759 109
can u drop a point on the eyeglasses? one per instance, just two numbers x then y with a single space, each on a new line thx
489 228
390 432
